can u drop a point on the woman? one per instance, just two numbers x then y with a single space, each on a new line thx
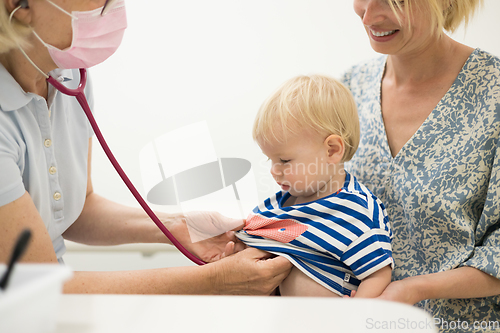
430 123
45 157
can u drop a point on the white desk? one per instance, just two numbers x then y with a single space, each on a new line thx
235 314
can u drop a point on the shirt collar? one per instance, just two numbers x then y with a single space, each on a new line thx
13 97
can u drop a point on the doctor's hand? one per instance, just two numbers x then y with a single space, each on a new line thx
209 235
249 272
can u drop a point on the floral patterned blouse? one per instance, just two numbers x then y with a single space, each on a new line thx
442 190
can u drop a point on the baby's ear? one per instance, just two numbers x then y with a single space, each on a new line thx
336 148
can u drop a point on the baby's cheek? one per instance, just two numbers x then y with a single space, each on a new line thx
288 171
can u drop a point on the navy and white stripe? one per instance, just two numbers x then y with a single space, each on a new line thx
347 238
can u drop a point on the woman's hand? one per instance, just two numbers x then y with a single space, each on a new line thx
208 235
249 272
462 282
400 291
403 291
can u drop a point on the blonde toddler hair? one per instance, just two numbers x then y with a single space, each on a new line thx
445 14
315 102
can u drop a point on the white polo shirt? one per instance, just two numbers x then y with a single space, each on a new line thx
44 150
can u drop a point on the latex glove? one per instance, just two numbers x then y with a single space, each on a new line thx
209 235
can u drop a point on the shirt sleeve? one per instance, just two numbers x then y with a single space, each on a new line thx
345 79
11 182
369 253
486 254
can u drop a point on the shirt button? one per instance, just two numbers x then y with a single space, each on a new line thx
52 170
47 143
57 196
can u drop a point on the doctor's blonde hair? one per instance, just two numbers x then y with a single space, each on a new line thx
318 103
12 33
445 14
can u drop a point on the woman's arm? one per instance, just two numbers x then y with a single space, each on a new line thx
14 218
248 272
103 222
462 282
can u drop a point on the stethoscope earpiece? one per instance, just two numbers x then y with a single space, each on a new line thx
23 4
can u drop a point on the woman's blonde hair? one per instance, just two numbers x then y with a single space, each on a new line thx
12 33
445 14
315 102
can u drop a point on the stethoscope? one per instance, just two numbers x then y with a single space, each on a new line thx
80 96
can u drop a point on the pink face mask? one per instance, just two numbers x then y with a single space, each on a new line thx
95 37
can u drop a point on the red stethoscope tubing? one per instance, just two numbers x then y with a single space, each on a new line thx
80 96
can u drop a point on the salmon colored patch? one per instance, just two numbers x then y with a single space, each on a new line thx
283 231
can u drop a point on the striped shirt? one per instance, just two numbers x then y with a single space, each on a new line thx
337 241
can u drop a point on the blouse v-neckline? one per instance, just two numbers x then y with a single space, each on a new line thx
434 113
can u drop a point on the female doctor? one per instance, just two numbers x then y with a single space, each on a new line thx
45 159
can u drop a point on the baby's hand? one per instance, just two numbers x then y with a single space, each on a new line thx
353 293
